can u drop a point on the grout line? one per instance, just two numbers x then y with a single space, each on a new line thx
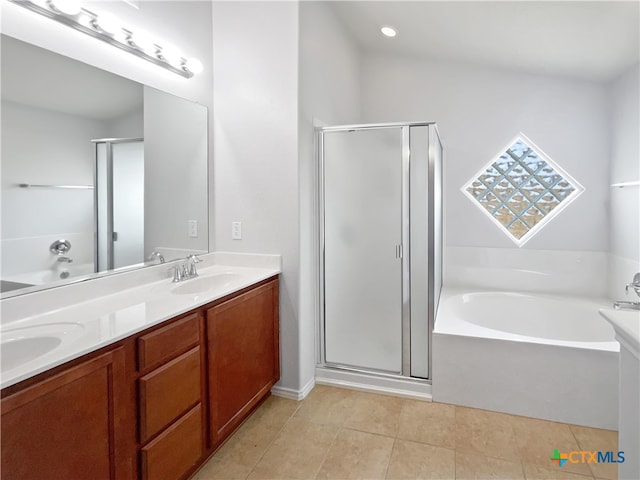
393 447
326 455
274 438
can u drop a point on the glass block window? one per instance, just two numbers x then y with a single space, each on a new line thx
522 189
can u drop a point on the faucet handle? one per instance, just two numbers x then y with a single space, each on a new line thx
194 258
635 284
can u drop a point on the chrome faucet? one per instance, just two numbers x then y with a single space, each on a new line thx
187 270
635 286
155 255
65 259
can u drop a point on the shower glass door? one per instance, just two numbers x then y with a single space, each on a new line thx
363 228
119 203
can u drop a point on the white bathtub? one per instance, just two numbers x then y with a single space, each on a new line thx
536 355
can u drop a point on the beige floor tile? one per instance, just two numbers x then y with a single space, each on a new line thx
327 405
375 414
264 474
419 461
537 472
216 469
278 407
472 465
594 439
357 455
428 422
485 432
247 445
297 452
537 439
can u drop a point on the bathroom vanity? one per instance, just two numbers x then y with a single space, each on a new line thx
156 403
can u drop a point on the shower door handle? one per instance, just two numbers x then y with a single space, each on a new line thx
399 251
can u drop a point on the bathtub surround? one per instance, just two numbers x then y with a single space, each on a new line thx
570 272
543 356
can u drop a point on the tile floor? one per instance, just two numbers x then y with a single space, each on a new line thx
343 434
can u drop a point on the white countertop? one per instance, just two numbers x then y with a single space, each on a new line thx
626 323
83 326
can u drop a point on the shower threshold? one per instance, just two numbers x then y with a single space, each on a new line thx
385 384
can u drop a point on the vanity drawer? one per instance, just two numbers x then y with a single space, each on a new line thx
165 343
175 451
169 391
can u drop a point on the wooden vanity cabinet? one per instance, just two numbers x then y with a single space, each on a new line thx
244 356
153 406
171 390
72 425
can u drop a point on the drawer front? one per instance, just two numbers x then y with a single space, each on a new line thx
165 343
169 391
176 450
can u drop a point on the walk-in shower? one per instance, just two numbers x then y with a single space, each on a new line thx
380 202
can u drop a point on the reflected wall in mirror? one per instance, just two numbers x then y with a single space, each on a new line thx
115 168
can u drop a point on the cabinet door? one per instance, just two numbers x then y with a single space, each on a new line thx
69 426
244 357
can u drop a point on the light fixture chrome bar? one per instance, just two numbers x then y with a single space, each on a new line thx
74 187
95 32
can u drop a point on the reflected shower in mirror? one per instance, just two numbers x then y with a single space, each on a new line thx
113 167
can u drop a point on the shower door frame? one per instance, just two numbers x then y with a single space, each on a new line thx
109 185
405 249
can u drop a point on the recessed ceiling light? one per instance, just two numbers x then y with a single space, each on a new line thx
389 31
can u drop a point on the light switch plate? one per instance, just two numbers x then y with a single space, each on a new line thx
192 228
236 230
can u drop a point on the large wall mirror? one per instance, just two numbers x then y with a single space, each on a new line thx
99 173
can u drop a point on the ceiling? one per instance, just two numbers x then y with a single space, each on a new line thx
40 78
587 40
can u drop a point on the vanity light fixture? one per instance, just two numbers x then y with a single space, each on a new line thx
107 27
388 31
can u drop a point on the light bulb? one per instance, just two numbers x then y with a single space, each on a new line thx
68 7
172 55
194 66
108 23
142 42
389 31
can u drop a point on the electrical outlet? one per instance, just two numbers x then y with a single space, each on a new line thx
192 228
236 230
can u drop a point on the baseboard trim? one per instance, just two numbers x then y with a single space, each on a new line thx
415 389
292 393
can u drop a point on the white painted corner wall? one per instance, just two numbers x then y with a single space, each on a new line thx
255 87
329 93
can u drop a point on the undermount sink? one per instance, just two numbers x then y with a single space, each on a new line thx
210 282
22 345
16 352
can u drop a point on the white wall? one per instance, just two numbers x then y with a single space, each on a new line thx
478 112
175 159
129 125
329 94
184 23
625 167
52 148
256 146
